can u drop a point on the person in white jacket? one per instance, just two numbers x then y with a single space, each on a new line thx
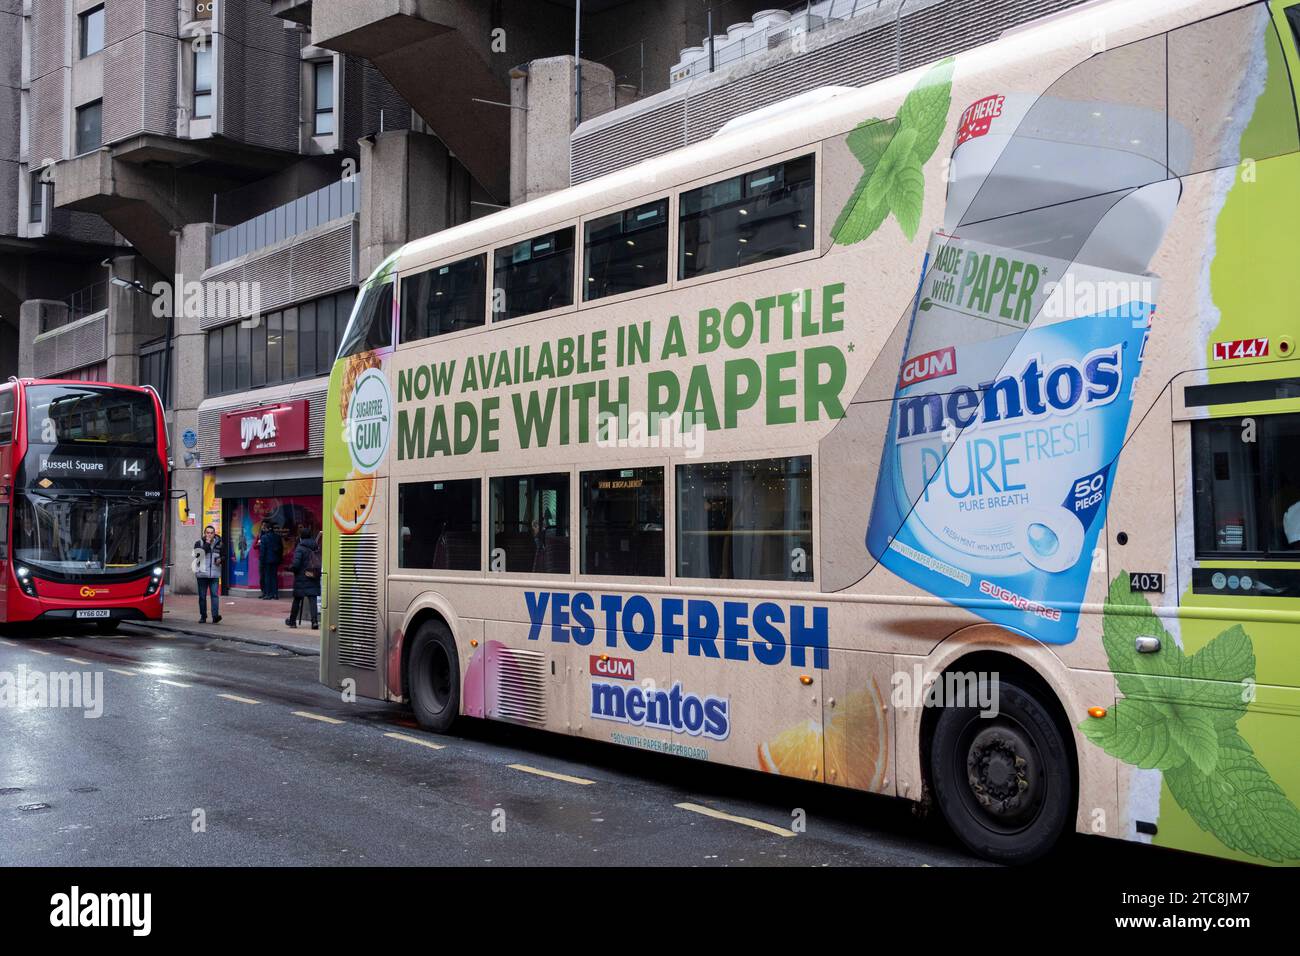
207 573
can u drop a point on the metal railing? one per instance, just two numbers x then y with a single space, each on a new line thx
330 202
93 298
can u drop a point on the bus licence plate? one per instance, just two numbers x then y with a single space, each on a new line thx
94 613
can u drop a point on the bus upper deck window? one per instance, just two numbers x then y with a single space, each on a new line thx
759 215
626 251
372 326
446 298
535 275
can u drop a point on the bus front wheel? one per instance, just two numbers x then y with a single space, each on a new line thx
434 677
1004 783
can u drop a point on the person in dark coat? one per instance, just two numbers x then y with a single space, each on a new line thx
270 548
306 577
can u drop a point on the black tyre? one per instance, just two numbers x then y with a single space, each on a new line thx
107 627
1005 784
433 677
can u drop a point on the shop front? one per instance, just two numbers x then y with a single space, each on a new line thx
259 486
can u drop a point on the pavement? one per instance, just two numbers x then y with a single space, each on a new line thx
244 617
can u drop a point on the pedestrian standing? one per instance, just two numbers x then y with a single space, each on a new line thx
271 551
306 577
207 573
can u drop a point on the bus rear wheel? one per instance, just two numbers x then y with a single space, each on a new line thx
433 671
1005 784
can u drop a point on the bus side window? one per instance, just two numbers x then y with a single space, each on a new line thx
372 327
4 531
1247 493
446 298
1230 97
533 275
745 520
6 416
759 215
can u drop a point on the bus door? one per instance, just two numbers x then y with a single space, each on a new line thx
354 574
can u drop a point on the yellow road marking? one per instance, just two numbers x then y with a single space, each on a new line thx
76 660
582 781
173 683
416 740
321 718
719 815
123 673
239 700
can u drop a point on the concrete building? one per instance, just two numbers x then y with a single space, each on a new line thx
192 190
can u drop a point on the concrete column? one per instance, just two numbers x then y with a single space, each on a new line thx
31 317
131 321
544 118
406 180
188 376
9 350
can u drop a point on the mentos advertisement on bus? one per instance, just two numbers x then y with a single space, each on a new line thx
1008 418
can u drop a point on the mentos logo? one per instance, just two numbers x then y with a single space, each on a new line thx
673 709
1033 393
921 368
623 668
978 117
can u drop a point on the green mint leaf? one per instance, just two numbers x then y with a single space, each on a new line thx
894 160
1136 732
1239 804
1193 731
1127 617
907 197
926 107
1218 673
859 219
869 140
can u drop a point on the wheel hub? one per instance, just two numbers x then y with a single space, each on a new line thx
1001 770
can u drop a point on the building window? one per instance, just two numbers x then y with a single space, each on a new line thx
36 201
530 522
1247 500
203 83
439 522
748 520
534 275
88 126
91 24
626 251
622 522
749 218
153 365
323 100
444 299
284 346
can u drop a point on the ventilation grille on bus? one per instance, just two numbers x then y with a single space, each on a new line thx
519 684
358 606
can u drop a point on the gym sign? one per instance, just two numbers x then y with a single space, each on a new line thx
267 430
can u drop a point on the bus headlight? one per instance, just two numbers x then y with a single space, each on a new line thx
155 580
25 579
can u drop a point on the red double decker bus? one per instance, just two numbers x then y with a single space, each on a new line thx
83 498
